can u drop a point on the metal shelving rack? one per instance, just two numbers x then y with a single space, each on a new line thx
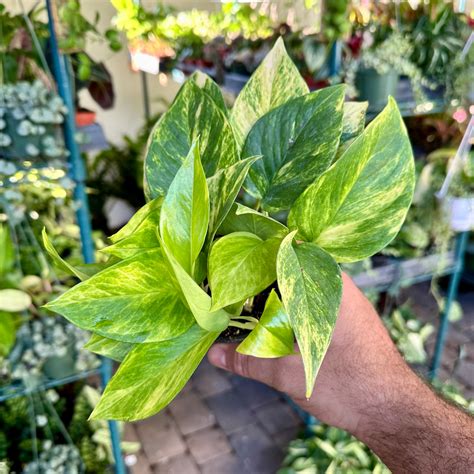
76 171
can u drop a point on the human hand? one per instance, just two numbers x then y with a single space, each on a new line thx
353 373
365 387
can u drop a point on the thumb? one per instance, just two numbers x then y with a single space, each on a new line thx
285 374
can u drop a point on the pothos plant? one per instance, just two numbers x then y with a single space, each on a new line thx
193 263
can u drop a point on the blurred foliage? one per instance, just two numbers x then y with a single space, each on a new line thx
117 172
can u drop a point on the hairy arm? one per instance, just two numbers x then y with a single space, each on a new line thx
366 388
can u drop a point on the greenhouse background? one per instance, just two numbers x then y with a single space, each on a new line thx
82 83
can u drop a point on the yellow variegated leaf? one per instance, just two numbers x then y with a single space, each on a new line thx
359 204
152 375
241 265
133 301
311 287
274 82
272 336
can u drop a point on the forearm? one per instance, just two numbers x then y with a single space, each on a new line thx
414 431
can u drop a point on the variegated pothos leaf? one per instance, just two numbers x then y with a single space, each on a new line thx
298 142
136 300
152 375
359 204
245 219
274 82
184 214
241 265
111 348
272 336
311 287
194 114
223 189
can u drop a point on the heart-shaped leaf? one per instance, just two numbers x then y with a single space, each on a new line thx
245 219
273 83
241 265
359 204
152 375
272 336
298 142
14 301
194 114
184 214
223 189
311 287
111 348
133 301
139 234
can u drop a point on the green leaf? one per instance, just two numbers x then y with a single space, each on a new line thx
14 301
139 234
133 301
223 189
58 261
298 142
353 121
272 336
198 300
311 286
241 265
111 348
91 269
152 375
209 87
245 219
185 212
273 83
7 252
193 114
7 332
359 204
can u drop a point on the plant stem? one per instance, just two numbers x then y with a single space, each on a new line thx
237 324
247 318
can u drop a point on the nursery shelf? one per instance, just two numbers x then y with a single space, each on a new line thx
405 273
19 390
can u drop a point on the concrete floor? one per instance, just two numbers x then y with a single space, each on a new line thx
223 424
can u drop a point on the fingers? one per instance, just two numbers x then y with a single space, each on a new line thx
284 374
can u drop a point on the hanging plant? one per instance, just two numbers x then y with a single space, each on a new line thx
193 265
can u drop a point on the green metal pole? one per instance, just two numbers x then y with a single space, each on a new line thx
461 244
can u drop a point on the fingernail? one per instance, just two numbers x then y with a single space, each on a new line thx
217 356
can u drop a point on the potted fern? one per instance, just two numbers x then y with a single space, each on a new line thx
193 264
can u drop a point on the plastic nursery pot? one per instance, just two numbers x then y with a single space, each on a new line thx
232 334
375 88
460 212
85 118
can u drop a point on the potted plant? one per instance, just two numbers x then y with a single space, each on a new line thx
193 265
375 71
